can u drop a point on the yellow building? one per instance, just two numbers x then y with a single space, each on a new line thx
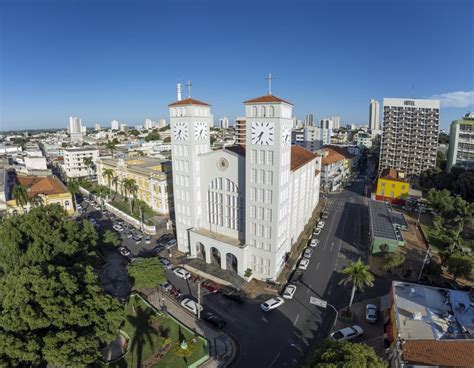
42 190
391 187
153 178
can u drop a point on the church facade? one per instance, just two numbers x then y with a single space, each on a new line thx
241 207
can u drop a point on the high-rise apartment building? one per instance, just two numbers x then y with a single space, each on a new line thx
97 127
75 129
114 125
149 124
336 121
410 135
124 128
326 124
461 143
308 120
240 130
224 123
374 111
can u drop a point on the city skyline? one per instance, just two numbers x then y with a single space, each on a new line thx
110 66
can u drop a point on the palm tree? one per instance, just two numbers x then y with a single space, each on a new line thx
20 195
89 164
124 187
73 187
357 274
133 190
111 146
108 174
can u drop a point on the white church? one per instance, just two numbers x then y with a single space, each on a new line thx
241 207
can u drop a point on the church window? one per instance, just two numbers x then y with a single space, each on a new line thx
261 195
263 111
253 212
270 158
227 185
267 262
268 197
253 175
268 214
183 112
253 228
270 177
261 176
271 111
261 158
268 232
260 230
253 156
261 213
254 111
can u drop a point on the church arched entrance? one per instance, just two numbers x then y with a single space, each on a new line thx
215 256
231 262
200 251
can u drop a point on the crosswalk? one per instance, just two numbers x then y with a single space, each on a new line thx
339 203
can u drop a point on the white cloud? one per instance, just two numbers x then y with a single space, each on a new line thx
456 99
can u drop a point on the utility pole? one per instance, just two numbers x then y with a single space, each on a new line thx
199 300
426 260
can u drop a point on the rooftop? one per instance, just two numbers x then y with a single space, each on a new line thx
432 313
439 353
80 149
48 185
381 225
143 165
188 101
267 99
392 174
331 157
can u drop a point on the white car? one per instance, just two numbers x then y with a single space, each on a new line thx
371 313
124 251
313 243
303 264
182 273
289 292
308 253
321 224
191 305
170 244
317 231
271 304
147 239
347 333
118 228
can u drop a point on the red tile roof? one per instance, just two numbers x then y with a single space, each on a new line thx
341 150
454 353
300 156
332 157
42 185
266 99
188 101
391 174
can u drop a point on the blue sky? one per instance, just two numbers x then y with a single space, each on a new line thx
104 60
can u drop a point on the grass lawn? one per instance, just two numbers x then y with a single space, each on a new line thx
145 340
432 238
125 207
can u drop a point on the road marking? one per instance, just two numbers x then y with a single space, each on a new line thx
308 289
317 266
274 360
296 320
325 243
332 246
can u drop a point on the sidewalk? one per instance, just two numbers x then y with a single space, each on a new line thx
222 348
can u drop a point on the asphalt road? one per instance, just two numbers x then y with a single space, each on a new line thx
283 337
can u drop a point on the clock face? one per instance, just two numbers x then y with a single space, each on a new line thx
200 130
263 133
286 136
180 131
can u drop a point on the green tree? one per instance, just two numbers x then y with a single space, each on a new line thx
110 238
459 266
441 160
52 310
358 274
133 190
111 145
115 183
167 140
392 260
153 136
134 132
143 332
73 187
344 354
146 273
89 164
20 195
164 129
443 138
108 174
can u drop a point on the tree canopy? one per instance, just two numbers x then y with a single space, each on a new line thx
153 136
459 265
146 273
458 181
52 310
344 354
443 138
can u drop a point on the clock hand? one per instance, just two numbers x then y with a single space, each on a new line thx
259 137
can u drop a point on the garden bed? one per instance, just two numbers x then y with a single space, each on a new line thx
156 338
124 206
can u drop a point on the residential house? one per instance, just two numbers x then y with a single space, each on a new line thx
392 187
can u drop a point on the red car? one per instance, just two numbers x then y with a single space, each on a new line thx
212 287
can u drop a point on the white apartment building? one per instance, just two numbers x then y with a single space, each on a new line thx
114 125
363 139
74 166
124 128
461 143
241 207
97 127
326 124
161 123
149 124
75 129
410 135
374 112
224 123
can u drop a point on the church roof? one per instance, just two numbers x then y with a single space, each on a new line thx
300 156
266 99
188 101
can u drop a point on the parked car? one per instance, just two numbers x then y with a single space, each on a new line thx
166 263
118 228
167 287
347 333
303 264
321 224
147 239
313 243
297 277
214 319
124 251
235 296
191 305
156 250
325 215
93 220
120 222
211 286
182 273
289 292
97 207
136 239
271 304
165 238
371 313
127 233
78 207
104 211
317 231
170 244
308 253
